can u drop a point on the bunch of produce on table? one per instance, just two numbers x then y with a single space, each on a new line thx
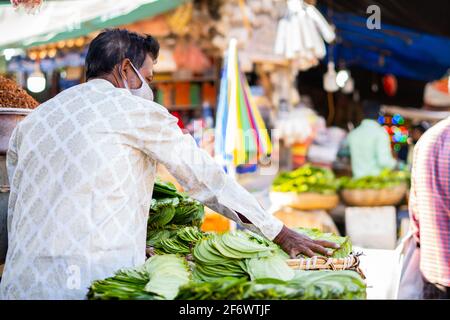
174 240
238 264
244 254
238 254
158 279
174 220
306 179
170 206
386 179
305 285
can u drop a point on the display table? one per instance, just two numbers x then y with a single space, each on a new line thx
382 269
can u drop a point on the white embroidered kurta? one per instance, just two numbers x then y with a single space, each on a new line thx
81 169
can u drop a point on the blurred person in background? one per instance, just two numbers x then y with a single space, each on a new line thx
429 207
370 146
417 131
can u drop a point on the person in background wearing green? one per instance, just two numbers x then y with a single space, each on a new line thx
370 147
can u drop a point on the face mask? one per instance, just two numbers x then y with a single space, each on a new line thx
144 91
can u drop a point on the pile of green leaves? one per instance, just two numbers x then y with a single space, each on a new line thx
238 254
305 285
306 179
173 221
345 243
158 278
174 240
243 254
170 206
386 179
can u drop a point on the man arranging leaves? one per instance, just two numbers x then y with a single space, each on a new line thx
82 167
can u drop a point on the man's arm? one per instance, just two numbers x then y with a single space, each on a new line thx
156 133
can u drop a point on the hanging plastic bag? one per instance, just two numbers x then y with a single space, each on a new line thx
411 281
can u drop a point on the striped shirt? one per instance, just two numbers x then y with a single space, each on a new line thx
430 202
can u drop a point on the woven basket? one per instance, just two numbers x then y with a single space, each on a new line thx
374 198
322 263
305 201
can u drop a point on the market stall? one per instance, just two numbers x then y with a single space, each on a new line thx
230 71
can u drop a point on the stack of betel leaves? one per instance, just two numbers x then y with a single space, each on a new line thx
386 179
159 278
307 178
243 254
190 264
233 265
174 220
305 285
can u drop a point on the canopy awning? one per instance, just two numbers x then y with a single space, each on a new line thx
61 20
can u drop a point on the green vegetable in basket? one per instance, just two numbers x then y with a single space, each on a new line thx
386 179
306 179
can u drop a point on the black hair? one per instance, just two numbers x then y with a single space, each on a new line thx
111 46
422 127
371 109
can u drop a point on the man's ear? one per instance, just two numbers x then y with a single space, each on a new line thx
124 69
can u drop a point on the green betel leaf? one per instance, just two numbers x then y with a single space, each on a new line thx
274 267
344 242
167 273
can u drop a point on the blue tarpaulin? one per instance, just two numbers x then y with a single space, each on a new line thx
391 49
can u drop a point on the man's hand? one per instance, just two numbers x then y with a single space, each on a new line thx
294 244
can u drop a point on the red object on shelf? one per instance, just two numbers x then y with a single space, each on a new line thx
178 116
390 85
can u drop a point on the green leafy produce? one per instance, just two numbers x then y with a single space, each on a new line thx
163 189
222 255
159 278
274 267
162 212
305 285
306 179
174 239
344 242
326 284
387 179
170 212
124 285
188 212
169 206
167 273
